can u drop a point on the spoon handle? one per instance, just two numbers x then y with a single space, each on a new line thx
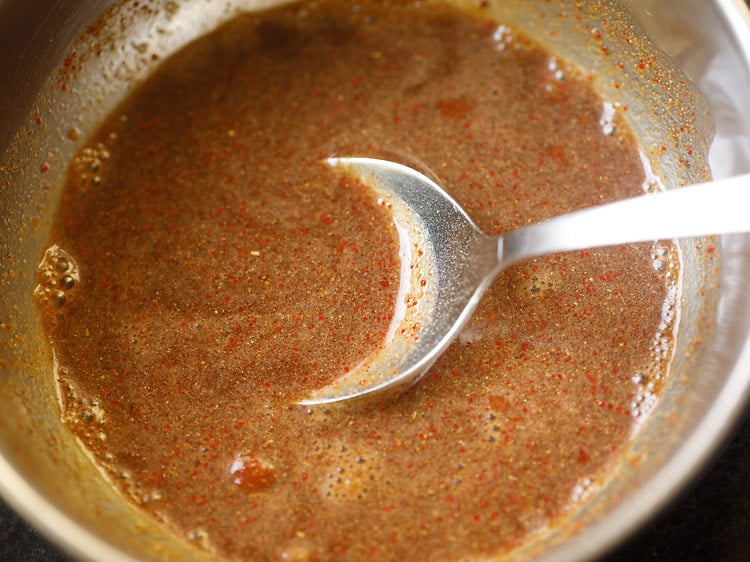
717 207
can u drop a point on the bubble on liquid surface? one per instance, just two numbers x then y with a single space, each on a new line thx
502 36
652 183
201 538
89 164
607 119
583 489
81 411
554 69
349 473
666 259
57 277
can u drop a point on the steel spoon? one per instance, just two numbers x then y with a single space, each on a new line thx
458 262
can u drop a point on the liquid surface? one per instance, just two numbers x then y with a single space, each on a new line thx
206 269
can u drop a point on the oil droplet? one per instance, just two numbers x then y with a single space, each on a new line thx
251 473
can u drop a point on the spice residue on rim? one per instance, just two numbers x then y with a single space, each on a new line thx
222 271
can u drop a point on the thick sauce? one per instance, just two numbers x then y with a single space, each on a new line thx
206 270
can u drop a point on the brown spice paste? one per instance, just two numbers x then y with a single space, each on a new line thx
207 270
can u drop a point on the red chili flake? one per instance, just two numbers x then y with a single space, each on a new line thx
44 168
583 457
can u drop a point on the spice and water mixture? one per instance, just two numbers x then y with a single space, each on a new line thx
206 270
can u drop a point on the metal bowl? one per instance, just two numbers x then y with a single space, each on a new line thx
65 67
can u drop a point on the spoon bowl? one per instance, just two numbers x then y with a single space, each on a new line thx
462 262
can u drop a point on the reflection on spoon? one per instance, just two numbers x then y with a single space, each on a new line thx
452 263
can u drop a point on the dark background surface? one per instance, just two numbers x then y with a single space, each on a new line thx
709 522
